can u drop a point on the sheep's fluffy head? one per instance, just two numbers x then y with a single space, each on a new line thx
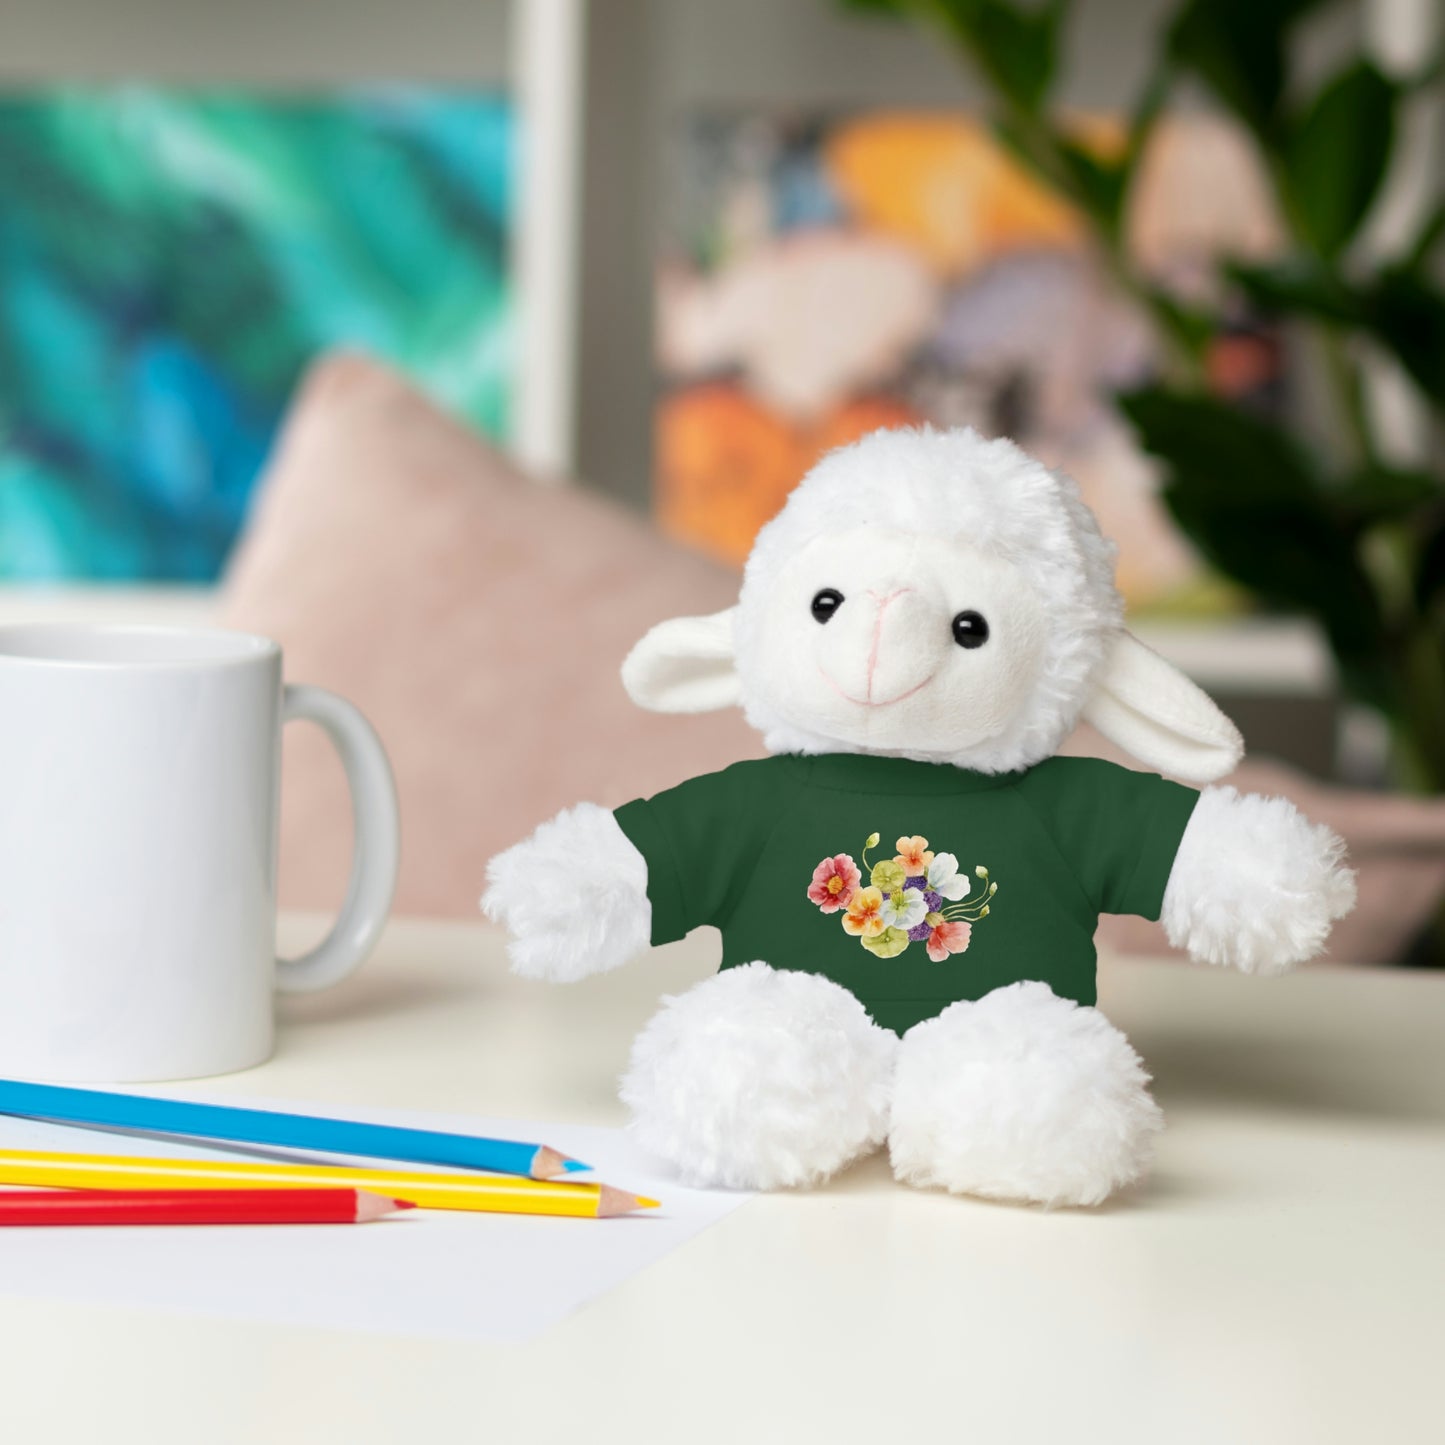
939 596
914 529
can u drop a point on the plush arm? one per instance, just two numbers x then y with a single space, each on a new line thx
573 896
1255 884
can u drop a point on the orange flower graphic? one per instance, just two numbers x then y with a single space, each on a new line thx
913 856
864 918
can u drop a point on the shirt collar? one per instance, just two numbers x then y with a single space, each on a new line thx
871 773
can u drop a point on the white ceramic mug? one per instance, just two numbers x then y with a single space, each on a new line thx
139 783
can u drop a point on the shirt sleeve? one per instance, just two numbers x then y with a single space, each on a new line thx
699 840
1119 830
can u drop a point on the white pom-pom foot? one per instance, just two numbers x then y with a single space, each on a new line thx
1255 884
1021 1096
599 921
760 1078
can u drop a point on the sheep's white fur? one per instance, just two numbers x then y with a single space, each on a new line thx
1255 884
760 1078
600 921
1021 1096
950 484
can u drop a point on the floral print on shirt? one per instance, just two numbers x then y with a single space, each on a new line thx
917 896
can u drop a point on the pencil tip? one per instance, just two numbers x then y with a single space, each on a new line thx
377 1206
612 1202
548 1163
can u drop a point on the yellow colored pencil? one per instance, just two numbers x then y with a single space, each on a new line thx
486 1193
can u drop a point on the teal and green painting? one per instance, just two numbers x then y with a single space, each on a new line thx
170 261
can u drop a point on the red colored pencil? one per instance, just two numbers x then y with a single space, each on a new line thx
194 1206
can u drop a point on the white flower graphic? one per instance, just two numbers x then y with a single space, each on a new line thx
905 908
944 878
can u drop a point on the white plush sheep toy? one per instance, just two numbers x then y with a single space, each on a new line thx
908 885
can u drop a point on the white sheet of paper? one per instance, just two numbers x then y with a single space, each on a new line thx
452 1275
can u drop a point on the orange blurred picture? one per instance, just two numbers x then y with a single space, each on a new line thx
824 277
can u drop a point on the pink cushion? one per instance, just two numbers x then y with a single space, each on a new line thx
476 617
1396 846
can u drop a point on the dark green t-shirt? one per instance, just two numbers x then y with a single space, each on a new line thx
973 880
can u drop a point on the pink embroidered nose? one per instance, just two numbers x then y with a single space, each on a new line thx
885 645
883 601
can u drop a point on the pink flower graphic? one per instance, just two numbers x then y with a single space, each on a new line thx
835 880
946 938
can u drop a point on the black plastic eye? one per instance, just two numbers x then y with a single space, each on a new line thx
826 603
969 629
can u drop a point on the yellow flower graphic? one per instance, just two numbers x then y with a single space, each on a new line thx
864 918
888 944
887 875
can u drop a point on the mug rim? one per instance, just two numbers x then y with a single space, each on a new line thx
195 648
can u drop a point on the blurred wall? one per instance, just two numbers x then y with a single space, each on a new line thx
254 41
813 53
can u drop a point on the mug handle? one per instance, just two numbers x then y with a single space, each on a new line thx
375 853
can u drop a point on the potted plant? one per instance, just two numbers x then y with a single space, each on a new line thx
1308 520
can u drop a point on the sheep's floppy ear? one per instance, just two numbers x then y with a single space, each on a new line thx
1154 712
685 665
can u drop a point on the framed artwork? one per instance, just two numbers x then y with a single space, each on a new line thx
822 276
172 259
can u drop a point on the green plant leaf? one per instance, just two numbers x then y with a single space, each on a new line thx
1430 572
1431 234
1237 48
1301 285
1015 46
1099 185
1021 142
1253 503
1193 327
1246 460
1407 312
1337 155
1403 309
1384 493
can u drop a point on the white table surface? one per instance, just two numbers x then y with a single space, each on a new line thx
1280 1279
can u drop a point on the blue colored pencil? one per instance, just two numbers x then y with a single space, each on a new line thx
282 1131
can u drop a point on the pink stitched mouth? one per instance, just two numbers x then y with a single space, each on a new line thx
868 702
